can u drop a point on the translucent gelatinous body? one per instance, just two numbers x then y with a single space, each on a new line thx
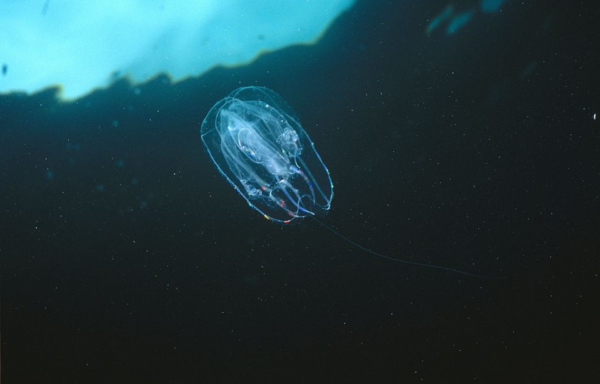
255 139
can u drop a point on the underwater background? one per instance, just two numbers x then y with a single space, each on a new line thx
461 136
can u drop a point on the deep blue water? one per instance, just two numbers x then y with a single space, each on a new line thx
125 257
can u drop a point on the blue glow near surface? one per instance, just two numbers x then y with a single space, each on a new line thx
459 21
82 46
440 18
489 6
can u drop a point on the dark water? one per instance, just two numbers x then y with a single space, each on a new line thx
125 257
